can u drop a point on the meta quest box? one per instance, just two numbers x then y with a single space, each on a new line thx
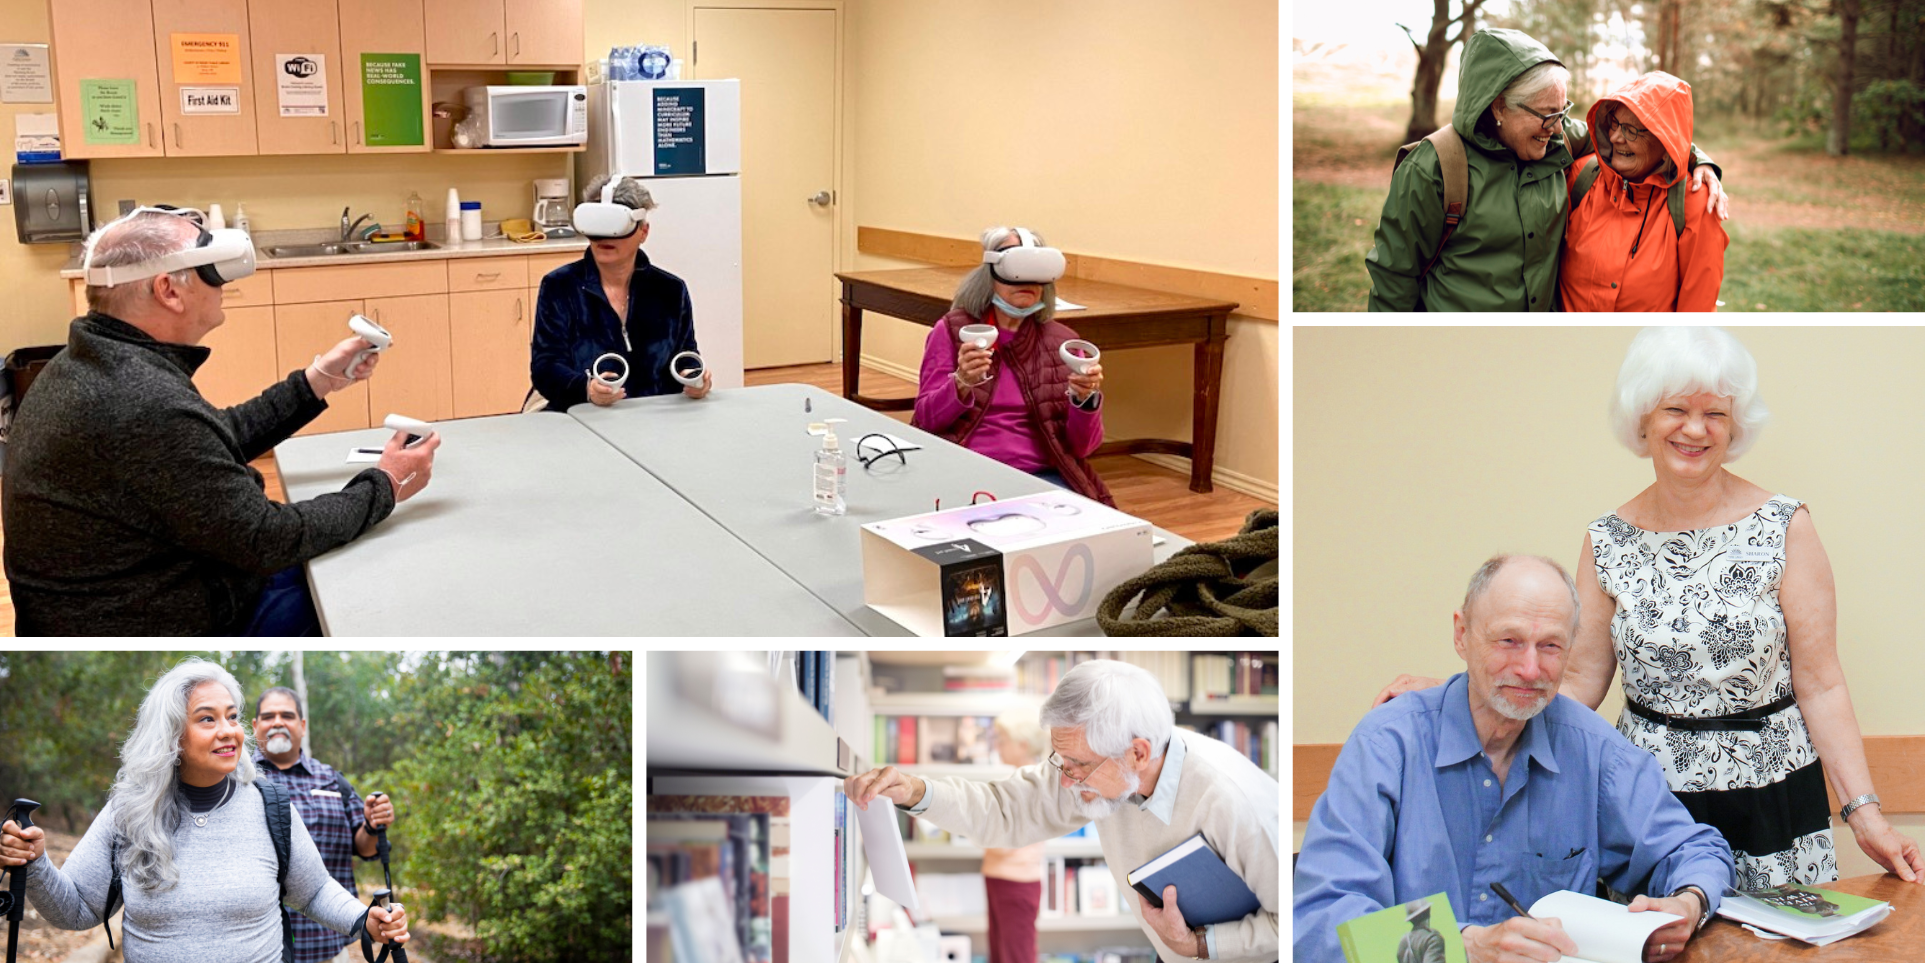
1001 568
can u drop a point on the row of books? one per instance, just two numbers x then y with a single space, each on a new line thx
925 740
1242 673
1256 741
1078 887
815 676
718 866
1172 669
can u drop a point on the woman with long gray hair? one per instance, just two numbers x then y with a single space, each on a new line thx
1011 396
185 841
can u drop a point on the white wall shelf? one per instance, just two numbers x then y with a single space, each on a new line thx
1072 848
949 703
1048 924
1246 705
962 770
721 711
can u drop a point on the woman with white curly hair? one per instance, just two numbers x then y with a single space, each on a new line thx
184 839
1715 596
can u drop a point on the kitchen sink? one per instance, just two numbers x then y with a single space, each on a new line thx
333 248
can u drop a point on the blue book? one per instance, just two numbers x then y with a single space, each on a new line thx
825 687
1205 887
806 660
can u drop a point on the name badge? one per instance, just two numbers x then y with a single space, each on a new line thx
1747 553
331 794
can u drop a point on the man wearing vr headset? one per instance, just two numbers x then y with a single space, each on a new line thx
612 301
129 506
1013 397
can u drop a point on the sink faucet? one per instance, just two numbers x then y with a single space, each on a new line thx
348 227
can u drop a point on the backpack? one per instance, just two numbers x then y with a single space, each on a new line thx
1588 174
280 828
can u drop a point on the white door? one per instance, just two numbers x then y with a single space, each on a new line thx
786 60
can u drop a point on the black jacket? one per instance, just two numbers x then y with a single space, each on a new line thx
575 324
129 504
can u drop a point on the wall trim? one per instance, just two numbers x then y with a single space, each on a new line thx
1247 484
1897 767
1257 298
888 367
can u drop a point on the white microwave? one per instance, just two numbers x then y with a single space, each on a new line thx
513 116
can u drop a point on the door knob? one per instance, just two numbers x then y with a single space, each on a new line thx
821 198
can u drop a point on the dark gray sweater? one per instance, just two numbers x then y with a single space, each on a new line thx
129 504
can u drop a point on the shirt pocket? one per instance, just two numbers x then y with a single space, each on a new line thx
1553 871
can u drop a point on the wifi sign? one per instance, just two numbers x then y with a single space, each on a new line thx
301 67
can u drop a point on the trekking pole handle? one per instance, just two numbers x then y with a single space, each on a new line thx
22 815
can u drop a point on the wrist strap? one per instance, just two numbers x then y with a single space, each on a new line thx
325 373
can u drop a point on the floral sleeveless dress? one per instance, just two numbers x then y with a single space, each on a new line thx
1699 634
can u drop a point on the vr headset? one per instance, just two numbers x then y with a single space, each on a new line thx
1027 263
217 256
606 220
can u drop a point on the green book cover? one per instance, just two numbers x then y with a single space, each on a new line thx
1811 904
1421 931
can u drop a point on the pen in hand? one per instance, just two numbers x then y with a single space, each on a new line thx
1506 896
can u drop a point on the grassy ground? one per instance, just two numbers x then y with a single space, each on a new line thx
1808 232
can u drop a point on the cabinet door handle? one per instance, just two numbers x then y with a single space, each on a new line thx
150 134
494 40
227 292
487 277
177 141
334 132
357 132
515 40
517 309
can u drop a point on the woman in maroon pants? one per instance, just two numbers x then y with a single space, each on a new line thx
1014 877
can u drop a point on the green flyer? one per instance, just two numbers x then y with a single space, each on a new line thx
109 112
391 99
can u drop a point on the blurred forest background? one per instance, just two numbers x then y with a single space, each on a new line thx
511 774
1815 110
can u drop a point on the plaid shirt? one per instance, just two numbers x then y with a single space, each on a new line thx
331 821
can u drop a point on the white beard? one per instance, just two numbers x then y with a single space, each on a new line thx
1509 710
1102 806
279 742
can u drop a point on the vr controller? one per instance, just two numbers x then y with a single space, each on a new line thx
691 376
595 371
981 335
373 334
416 429
1080 355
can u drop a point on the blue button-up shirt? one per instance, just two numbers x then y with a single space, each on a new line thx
1413 808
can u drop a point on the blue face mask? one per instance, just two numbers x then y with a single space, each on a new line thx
1012 310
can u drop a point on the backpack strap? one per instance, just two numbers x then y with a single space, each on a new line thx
1586 176
1676 203
1454 167
280 829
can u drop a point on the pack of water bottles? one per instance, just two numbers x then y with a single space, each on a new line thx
641 62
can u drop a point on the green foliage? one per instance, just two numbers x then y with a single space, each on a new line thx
1890 112
519 801
1816 270
1332 229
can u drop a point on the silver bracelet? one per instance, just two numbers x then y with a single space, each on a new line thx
1852 807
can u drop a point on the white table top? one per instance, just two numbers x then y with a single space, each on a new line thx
532 526
744 457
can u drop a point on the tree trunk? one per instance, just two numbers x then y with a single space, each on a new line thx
1838 139
1423 93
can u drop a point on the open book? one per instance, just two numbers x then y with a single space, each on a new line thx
1817 916
1604 932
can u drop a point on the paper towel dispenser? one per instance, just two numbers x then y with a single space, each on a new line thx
50 202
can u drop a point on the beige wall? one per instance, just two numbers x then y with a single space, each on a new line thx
1419 452
1139 130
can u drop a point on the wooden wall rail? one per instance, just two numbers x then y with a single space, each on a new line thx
1897 765
1257 297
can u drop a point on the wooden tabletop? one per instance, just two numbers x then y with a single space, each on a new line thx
1900 936
1100 300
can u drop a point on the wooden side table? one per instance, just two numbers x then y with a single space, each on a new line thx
1900 936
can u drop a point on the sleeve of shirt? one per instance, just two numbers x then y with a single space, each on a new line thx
551 367
274 415
357 812
74 896
1645 833
685 328
1025 808
1086 425
1700 259
937 406
1408 232
311 890
1343 871
1254 857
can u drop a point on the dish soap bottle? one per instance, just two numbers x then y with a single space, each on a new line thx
241 221
830 473
417 228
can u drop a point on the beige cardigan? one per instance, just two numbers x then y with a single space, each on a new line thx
1205 786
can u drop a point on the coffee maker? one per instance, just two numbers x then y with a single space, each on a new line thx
553 215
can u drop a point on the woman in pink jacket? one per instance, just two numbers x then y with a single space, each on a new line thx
1014 400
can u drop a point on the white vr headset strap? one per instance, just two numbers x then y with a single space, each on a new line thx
215 251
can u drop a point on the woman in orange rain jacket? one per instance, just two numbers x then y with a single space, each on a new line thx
1622 249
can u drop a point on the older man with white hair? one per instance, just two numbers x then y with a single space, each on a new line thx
1120 761
1495 779
129 506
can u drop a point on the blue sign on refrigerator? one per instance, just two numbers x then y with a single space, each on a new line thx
680 143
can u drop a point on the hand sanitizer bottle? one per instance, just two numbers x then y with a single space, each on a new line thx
831 474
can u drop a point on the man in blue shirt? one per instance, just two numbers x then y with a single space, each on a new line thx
1494 778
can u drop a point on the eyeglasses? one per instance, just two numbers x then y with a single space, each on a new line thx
1548 120
1631 134
1056 762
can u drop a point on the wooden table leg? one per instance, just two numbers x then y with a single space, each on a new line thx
1208 380
851 346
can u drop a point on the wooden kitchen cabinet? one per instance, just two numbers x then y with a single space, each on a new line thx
105 40
381 27
490 332
244 362
305 330
193 132
310 29
467 31
544 31
414 377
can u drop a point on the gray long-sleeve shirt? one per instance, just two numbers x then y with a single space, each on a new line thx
225 906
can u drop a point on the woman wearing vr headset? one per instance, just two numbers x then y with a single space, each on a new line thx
612 301
1012 397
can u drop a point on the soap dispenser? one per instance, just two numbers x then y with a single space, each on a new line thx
831 473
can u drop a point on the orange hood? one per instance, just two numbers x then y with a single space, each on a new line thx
1663 105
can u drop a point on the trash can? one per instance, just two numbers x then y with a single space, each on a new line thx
23 365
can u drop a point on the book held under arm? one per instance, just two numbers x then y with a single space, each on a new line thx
1206 890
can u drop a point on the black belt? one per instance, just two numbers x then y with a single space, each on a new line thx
1750 720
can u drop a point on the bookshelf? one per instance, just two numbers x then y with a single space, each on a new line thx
1122 923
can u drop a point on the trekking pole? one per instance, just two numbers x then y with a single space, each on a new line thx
16 896
382 897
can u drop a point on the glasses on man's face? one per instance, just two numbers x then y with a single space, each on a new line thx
1056 762
1549 120
1631 134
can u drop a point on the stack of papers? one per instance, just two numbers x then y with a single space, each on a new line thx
1816 916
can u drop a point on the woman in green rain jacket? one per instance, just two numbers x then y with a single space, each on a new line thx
1517 131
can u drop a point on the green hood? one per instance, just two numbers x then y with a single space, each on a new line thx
1492 59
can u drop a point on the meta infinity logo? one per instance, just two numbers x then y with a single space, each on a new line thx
1052 589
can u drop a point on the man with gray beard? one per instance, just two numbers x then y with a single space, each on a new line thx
1494 778
330 809
1119 761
